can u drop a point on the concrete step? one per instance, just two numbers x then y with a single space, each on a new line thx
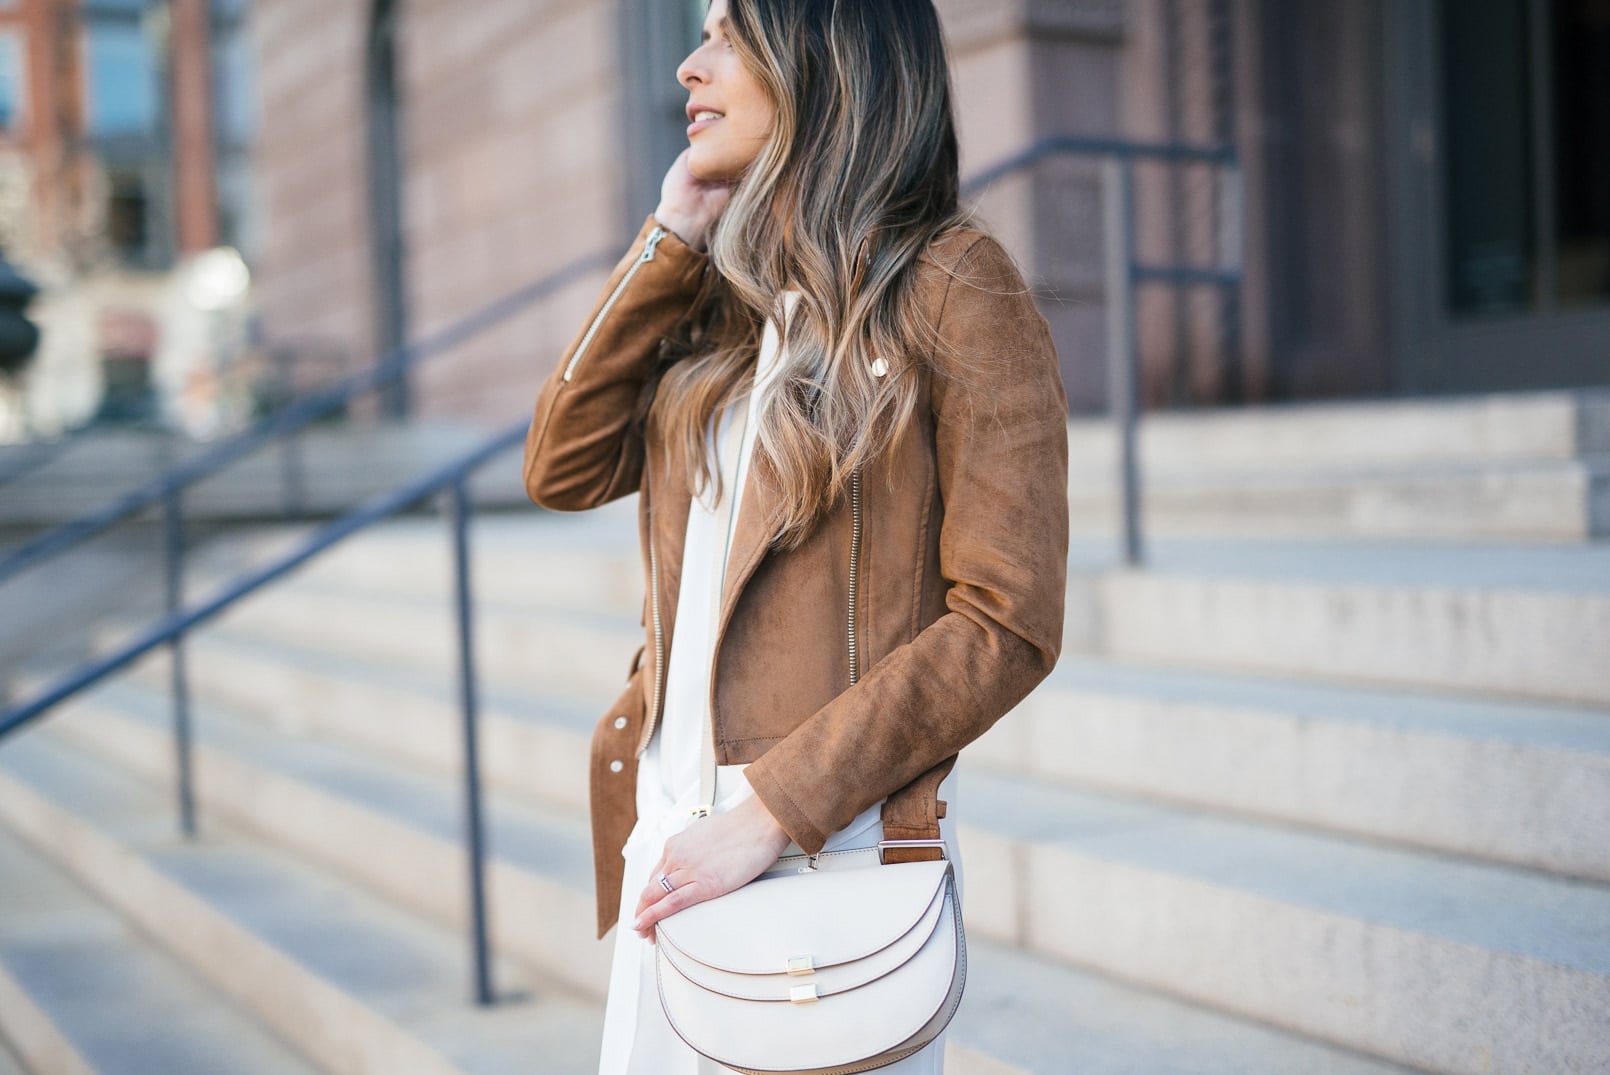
1438 963
324 469
334 804
1035 1016
533 743
1526 783
581 653
1400 433
1128 871
82 992
354 984
1020 1014
1524 622
1543 501
525 558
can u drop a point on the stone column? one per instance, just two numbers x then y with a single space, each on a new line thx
1026 70
195 193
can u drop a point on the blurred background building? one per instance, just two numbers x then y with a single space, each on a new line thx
1427 184
125 139
1421 202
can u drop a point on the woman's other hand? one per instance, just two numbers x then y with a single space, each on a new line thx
690 206
710 858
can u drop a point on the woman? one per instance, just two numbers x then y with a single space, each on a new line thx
806 333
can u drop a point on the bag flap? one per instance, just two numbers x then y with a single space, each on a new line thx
828 978
828 916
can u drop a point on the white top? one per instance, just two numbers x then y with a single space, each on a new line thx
673 752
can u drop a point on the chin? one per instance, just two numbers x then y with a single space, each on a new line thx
702 168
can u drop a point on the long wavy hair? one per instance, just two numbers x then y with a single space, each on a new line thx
859 176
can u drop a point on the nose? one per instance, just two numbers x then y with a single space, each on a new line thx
692 71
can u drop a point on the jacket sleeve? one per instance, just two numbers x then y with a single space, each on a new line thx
1000 438
582 449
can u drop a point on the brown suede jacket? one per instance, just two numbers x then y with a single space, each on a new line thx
961 563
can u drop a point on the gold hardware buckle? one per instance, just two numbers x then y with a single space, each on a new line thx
801 965
803 994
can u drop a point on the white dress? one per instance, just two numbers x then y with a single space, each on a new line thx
637 1038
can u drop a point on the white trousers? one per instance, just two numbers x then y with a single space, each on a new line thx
637 1038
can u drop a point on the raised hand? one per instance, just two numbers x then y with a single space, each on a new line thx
690 206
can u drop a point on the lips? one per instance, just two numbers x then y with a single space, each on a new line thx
701 118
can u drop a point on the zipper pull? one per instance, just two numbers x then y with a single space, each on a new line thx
654 238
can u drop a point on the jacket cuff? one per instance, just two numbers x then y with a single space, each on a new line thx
800 828
672 246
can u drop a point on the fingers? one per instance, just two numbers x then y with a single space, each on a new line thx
653 891
669 903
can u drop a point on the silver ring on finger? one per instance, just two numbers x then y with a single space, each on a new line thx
665 883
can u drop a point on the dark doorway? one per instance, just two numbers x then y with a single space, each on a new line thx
1500 149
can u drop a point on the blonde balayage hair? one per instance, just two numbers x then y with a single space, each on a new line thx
858 177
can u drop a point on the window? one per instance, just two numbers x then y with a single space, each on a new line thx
13 83
122 80
235 125
124 119
1581 118
1526 122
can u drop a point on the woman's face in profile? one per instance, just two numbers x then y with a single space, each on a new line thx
729 112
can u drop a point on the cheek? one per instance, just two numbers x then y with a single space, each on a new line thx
760 127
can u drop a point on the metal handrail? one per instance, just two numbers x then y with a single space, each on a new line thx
1073 145
175 624
390 367
171 629
454 476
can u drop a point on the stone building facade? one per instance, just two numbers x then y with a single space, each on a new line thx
418 159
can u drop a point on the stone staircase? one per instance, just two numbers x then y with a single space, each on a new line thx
1285 806
1532 467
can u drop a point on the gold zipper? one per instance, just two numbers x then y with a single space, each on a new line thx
855 558
644 258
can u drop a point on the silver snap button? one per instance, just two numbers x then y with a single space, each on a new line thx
616 766
620 722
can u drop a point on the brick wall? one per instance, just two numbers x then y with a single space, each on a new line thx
515 155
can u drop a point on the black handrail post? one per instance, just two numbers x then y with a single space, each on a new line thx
1123 359
460 510
173 512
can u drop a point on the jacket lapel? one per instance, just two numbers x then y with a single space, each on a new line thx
757 516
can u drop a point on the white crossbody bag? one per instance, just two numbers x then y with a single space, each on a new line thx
825 964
